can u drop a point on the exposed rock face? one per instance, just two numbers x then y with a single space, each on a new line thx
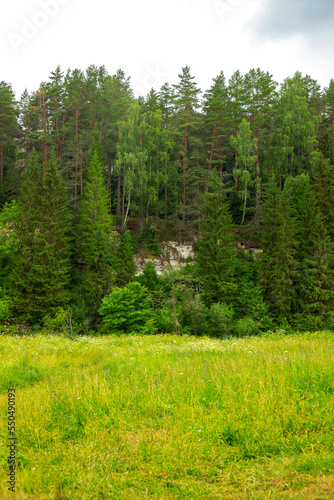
174 255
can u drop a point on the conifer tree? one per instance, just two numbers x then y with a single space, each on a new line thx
217 123
126 268
216 250
323 188
315 276
186 105
41 271
9 128
166 100
95 241
278 241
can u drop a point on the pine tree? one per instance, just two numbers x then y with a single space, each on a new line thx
217 122
41 272
74 104
55 96
215 251
166 97
186 105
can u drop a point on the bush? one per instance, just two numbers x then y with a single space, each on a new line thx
220 320
245 327
163 321
329 324
194 317
149 278
309 322
59 321
5 310
127 310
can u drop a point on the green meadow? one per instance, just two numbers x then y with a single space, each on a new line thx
166 417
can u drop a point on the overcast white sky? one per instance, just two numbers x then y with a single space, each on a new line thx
152 39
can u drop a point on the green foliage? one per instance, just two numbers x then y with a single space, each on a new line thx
149 278
149 239
246 295
193 316
323 189
96 243
126 268
215 250
100 262
220 320
277 262
245 327
127 310
8 218
5 307
163 320
41 267
58 321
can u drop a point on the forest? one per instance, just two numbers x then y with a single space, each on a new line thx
91 175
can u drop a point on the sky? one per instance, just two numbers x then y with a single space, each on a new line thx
151 40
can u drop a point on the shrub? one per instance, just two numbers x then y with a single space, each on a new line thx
127 310
220 319
58 321
163 321
194 317
246 327
329 324
149 278
5 309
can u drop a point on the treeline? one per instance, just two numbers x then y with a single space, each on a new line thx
247 160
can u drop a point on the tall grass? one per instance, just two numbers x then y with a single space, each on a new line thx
165 417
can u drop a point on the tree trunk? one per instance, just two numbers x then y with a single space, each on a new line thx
76 155
184 170
126 215
211 155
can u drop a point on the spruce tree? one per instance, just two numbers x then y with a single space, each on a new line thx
186 105
278 242
217 121
126 268
323 188
9 130
95 241
314 277
41 271
215 251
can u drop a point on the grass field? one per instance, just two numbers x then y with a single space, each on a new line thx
165 417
